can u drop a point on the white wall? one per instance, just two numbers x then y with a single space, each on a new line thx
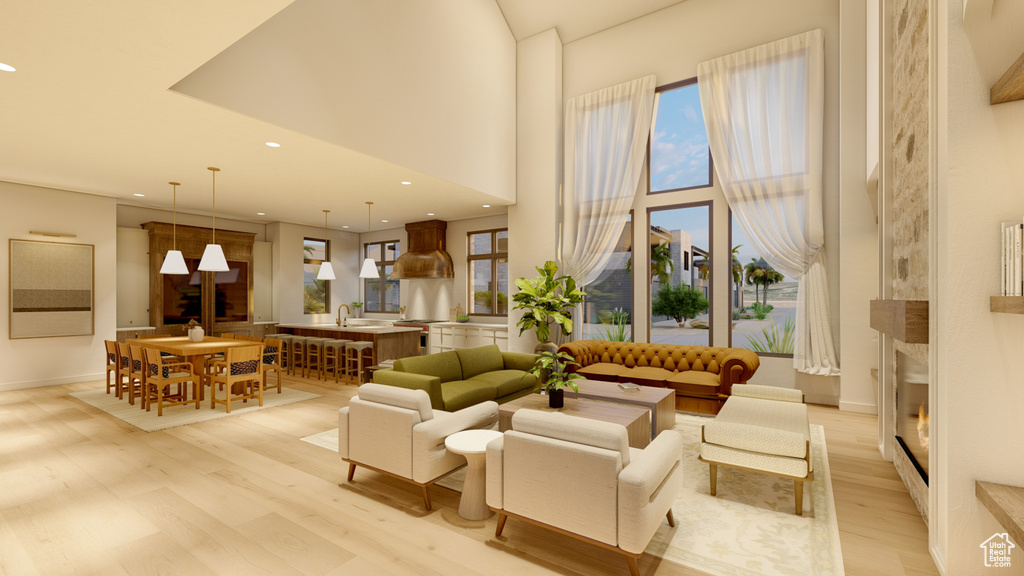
978 378
531 221
132 277
287 257
49 361
389 60
670 43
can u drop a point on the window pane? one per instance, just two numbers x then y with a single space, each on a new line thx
480 243
680 298
608 308
480 277
391 252
314 249
390 290
679 157
314 292
502 241
502 288
371 288
763 300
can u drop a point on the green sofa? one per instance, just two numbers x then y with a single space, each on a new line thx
461 378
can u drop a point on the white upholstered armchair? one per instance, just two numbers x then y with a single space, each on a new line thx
394 431
580 477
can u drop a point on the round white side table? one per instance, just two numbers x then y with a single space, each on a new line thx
473 445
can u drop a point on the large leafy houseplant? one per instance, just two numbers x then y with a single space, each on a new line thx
553 374
547 299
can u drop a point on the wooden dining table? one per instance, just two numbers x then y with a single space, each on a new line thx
193 352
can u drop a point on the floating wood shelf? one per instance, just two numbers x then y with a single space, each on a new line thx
904 320
1006 503
1011 86
1007 304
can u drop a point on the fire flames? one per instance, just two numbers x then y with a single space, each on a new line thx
922 427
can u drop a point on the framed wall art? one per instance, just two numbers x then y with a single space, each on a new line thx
51 289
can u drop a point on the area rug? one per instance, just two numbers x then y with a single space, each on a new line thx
749 528
183 415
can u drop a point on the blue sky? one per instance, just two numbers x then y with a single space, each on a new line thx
679 145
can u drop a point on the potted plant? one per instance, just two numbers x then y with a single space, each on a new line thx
552 372
679 303
357 309
194 330
547 299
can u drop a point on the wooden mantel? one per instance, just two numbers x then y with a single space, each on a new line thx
1011 86
904 320
1006 503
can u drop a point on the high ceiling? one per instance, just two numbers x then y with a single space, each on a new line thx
89 110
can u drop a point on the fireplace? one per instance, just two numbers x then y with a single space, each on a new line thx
912 431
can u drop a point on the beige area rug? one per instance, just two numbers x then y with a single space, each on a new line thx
187 414
748 529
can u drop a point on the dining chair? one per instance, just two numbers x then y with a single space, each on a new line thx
272 362
124 368
240 371
112 366
161 375
226 335
137 374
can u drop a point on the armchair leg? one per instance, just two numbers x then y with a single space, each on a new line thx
351 471
798 489
671 519
426 496
502 517
714 479
634 569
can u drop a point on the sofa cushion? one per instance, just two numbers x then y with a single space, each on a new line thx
506 382
585 431
646 376
459 394
415 400
694 383
480 360
603 371
445 365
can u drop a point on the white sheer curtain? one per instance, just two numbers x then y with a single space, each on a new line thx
764 110
605 142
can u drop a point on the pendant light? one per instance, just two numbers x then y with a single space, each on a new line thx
213 257
326 270
369 269
174 263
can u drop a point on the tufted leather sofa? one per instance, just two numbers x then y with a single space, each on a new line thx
702 376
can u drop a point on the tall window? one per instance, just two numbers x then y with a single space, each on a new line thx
680 297
608 306
316 294
679 157
762 299
382 293
488 272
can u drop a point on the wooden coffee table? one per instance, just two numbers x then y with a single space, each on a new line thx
636 420
660 401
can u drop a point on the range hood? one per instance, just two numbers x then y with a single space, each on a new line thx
426 256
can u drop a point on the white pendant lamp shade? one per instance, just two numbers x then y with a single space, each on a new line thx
174 262
369 269
326 270
213 257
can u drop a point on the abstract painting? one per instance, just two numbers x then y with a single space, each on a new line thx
51 289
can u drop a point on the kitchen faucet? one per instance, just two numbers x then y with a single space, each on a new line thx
347 310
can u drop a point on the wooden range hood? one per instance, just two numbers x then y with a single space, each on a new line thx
426 256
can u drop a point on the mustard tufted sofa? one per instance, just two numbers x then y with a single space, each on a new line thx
701 376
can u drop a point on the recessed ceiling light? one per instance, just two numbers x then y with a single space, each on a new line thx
140 195
406 182
344 226
487 205
273 144
430 213
261 213
6 67
384 221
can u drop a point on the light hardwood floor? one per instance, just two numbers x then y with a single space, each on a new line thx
84 493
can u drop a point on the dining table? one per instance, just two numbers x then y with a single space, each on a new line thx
193 352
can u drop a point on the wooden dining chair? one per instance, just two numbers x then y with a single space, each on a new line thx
137 377
241 375
161 375
272 362
124 368
249 338
113 366
226 335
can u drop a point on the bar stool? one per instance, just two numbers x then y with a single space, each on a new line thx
354 356
286 340
334 356
297 355
315 357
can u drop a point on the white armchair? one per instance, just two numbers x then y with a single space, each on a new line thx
394 431
580 477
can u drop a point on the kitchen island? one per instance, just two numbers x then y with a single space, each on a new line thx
389 342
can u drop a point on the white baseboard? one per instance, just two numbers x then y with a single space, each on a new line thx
858 407
823 399
6 387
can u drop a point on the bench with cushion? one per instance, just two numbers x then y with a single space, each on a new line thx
702 376
461 378
761 428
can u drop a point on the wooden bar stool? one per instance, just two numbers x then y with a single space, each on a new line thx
285 342
334 357
315 358
355 353
297 355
